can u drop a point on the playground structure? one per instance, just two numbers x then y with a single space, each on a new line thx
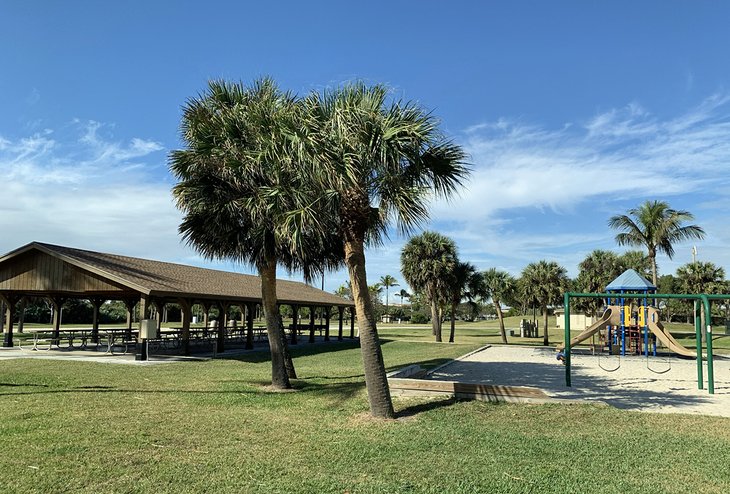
629 322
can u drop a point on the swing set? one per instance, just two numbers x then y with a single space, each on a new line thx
619 321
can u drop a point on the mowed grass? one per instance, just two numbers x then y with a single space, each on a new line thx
213 426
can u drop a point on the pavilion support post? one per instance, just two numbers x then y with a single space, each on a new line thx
96 304
311 324
341 311
327 318
206 317
222 323
10 307
187 315
130 304
159 310
295 323
2 314
57 306
249 325
21 314
352 322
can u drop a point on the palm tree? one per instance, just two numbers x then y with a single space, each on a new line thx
657 227
636 260
544 282
427 262
464 283
596 271
376 163
403 293
500 286
701 277
344 292
387 282
238 181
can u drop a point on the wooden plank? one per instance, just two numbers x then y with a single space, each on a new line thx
453 387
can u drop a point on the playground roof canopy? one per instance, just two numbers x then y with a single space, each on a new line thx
630 280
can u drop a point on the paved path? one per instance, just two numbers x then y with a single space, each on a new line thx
657 384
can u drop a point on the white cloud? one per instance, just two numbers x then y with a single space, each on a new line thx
578 172
89 192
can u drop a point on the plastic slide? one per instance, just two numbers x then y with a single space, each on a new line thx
666 338
604 321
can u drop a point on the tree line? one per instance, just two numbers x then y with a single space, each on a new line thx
430 264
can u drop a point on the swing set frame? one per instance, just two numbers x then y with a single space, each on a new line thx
701 298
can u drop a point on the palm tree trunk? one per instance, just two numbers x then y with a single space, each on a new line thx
652 258
436 320
288 362
453 323
545 338
376 380
501 322
279 376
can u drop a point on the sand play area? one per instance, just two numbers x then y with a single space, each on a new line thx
664 384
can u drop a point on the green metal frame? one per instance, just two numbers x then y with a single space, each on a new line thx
703 298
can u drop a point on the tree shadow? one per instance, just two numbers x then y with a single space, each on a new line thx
413 410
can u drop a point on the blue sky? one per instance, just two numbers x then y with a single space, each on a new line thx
571 112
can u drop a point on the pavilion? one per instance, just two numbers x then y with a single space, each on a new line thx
61 273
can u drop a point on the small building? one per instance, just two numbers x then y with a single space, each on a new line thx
578 321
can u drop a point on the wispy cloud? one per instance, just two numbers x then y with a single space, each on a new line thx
578 171
86 189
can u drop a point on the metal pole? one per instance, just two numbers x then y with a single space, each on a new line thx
566 306
710 364
698 339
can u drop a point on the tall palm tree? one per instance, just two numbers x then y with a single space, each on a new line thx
545 282
465 282
377 162
657 227
428 262
238 181
387 282
500 287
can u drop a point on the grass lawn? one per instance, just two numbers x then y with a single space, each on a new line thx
213 427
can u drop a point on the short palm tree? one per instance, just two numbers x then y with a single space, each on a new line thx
596 271
499 286
428 262
403 293
237 184
387 282
544 282
657 227
377 162
701 277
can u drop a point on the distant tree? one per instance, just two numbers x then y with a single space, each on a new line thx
701 277
403 294
545 282
344 291
657 227
500 287
636 260
465 283
388 282
427 261
596 271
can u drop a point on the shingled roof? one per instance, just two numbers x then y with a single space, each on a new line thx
164 279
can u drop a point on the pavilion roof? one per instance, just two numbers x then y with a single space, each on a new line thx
164 279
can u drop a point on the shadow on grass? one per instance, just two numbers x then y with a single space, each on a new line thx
299 350
414 410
